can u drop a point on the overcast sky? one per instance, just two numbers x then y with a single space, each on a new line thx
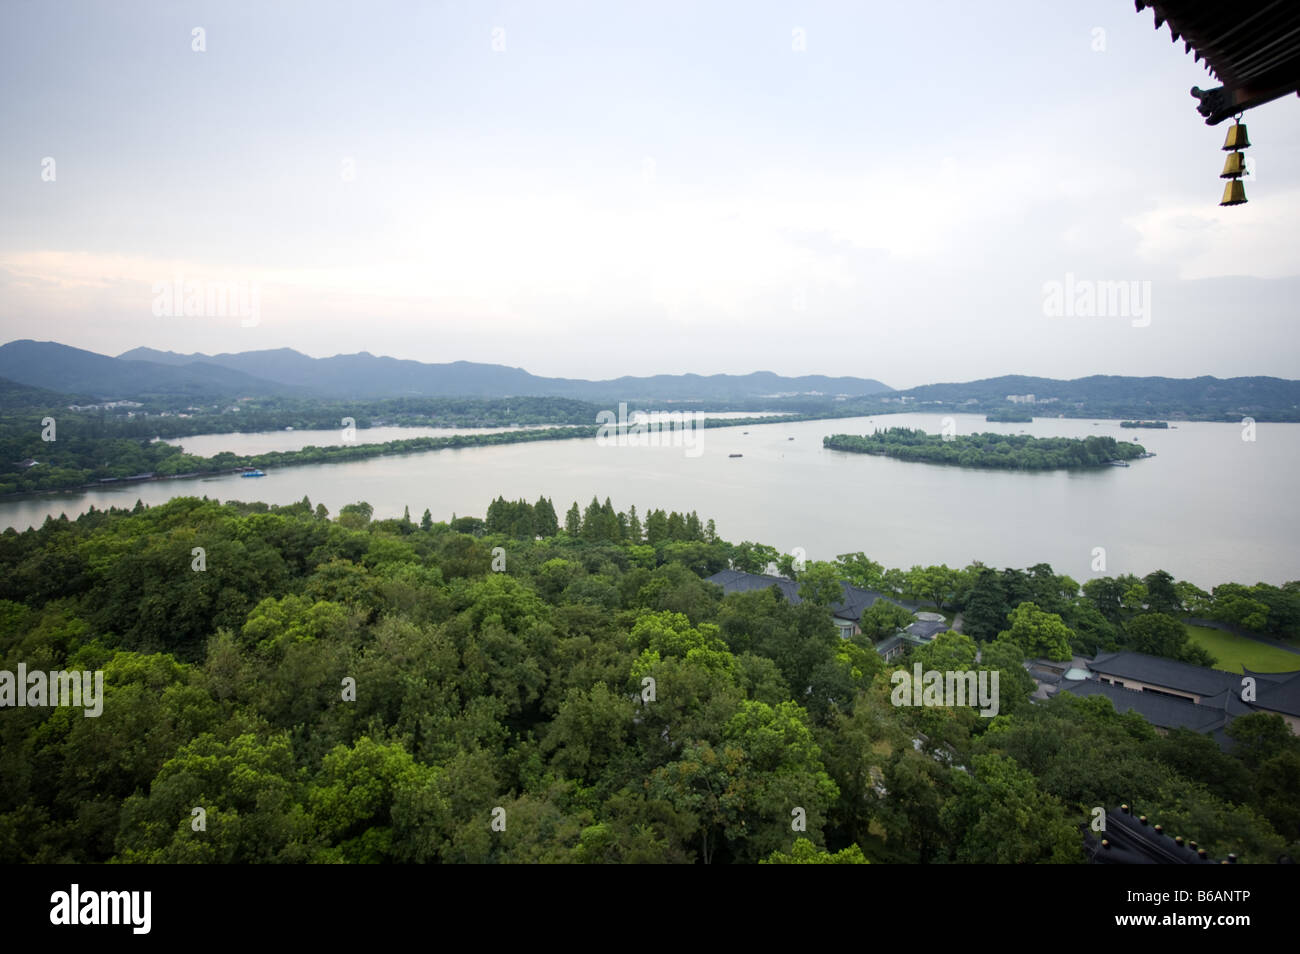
598 189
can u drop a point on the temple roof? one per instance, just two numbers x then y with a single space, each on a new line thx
1251 46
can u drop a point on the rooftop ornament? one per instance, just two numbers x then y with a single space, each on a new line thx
1252 47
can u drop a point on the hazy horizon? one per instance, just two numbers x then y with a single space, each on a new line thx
590 193
653 373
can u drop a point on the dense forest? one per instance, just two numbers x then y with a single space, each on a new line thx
523 687
1002 451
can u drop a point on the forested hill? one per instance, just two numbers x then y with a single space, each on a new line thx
85 374
357 690
144 372
1110 395
365 375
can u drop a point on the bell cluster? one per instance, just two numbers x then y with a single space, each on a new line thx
1234 193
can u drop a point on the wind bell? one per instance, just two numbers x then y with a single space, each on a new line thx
1234 193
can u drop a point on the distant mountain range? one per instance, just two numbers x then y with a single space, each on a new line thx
33 370
56 367
1204 398
147 372
1114 389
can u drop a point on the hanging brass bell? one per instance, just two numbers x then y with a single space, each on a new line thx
1234 193
1234 167
1236 138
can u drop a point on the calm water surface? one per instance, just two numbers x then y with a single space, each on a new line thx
1208 508
265 442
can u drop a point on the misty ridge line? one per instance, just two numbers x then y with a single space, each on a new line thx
285 372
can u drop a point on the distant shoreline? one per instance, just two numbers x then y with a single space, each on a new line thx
342 453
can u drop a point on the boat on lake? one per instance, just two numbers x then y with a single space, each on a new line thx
252 473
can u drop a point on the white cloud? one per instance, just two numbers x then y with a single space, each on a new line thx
1209 241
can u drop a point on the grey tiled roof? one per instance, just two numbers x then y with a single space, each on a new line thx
737 581
1229 701
1160 710
927 629
1275 691
1278 677
1130 841
1159 671
854 603
1220 692
889 644
1282 696
1042 675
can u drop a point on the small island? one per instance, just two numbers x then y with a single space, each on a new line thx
1001 451
1161 424
1009 417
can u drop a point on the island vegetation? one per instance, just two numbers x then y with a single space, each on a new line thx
1148 424
1002 451
353 689
1009 417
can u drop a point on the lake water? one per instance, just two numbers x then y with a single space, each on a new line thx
1209 508
265 442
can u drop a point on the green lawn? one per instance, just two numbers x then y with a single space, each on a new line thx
1233 652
